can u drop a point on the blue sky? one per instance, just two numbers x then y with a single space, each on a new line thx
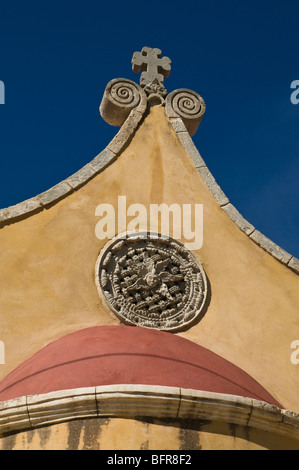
241 57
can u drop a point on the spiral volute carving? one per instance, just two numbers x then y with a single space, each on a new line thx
188 105
120 97
125 94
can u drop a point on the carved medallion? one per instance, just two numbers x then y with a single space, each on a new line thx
152 281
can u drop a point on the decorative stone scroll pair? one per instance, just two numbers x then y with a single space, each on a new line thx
122 95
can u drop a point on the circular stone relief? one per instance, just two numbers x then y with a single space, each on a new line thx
151 281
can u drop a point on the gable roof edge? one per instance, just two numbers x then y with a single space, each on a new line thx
222 200
48 198
107 156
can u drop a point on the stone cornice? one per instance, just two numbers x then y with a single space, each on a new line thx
128 112
137 401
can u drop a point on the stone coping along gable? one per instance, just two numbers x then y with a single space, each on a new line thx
131 120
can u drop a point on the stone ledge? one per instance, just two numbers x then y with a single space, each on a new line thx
135 401
294 264
60 406
271 247
123 136
235 215
14 415
210 406
273 415
288 417
214 188
101 161
81 177
21 210
55 194
177 124
138 400
191 149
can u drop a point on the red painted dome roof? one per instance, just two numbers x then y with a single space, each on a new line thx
109 355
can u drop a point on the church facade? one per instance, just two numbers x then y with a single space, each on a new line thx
139 309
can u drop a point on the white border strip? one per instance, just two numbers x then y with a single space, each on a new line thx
132 401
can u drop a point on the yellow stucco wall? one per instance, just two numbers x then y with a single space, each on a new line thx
47 285
128 434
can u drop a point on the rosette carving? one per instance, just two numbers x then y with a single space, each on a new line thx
121 96
188 105
152 281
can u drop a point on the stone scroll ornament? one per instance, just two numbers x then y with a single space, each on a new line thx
152 281
122 96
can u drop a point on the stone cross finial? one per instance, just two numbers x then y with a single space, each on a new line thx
154 69
123 96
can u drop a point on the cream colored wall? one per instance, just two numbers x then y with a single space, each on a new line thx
48 264
127 434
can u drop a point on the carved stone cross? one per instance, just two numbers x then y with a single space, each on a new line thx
154 69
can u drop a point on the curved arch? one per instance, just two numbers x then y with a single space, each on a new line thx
131 401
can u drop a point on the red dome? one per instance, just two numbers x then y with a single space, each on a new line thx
109 355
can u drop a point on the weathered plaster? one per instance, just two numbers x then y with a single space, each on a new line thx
48 261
